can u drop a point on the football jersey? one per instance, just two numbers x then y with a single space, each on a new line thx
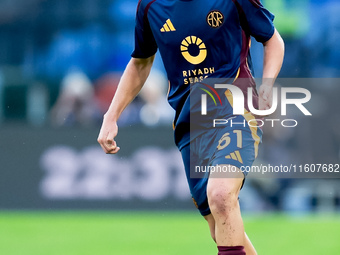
199 39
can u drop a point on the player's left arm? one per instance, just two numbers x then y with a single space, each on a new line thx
272 63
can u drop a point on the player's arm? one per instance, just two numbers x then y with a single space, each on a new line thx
272 62
131 82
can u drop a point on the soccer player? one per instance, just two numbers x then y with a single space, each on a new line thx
200 39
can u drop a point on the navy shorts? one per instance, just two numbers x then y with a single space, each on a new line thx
235 146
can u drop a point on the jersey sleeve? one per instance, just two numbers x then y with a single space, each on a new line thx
255 19
145 44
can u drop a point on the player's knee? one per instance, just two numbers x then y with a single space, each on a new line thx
222 200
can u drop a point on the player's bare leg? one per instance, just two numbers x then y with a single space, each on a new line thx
222 195
211 222
223 201
248 246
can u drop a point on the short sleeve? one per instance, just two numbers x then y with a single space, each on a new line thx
145 44
255 19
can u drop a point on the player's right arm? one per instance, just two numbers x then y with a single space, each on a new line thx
131 82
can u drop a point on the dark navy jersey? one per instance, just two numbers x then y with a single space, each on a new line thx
199 39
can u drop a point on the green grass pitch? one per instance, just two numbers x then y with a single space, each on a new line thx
157 233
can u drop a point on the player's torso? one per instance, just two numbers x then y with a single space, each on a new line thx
196 38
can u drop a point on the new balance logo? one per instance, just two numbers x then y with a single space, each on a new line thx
235 156
168 26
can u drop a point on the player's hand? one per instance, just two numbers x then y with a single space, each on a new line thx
106 136
265 96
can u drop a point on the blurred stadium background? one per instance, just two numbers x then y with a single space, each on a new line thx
60 62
